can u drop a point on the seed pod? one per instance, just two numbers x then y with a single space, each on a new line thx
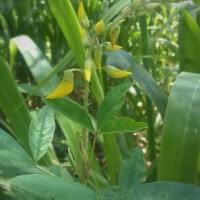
135 4
98 51
114 72
114 34
88 67
82 17
65 87
151 6
99 27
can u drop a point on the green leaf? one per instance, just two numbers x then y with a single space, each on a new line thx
73 111
122 125
189 43
116 8
13 105
41 132
161 191
12 154
66 17
145 80
180 144
111 104
36 62
52 187
132 169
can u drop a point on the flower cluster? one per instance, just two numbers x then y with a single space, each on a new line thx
94 51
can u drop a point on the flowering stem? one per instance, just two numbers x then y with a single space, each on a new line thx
84 141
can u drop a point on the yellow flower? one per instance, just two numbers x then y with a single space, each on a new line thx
115 73
107 46
99 27
82 17
65 87
88 67
114 34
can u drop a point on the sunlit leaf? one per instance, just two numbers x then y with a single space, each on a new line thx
111 105
41 132
123 125
181 132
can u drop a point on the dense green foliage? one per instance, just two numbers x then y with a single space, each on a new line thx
136 137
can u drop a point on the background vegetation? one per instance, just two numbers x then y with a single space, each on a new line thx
39 39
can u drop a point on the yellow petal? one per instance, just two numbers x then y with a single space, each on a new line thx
99 27
115 73
88 67
114 34
115 48
65 87
82 17
107 46
81 12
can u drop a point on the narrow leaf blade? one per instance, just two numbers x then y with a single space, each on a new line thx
41 132
123 125
69 25
111 104
180 144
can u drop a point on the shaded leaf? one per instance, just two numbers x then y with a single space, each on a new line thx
189 43
123 125
132 169
161 190
12 154
13 105
54 187
41 132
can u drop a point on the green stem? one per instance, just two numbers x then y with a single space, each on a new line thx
84 141
149 107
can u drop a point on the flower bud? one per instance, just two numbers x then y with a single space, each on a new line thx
108 47
88 67
151 6
98 51
82 17
135 4
65 87
99 27
114 72
85 39
114 34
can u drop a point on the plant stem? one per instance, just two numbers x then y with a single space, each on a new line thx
84 141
